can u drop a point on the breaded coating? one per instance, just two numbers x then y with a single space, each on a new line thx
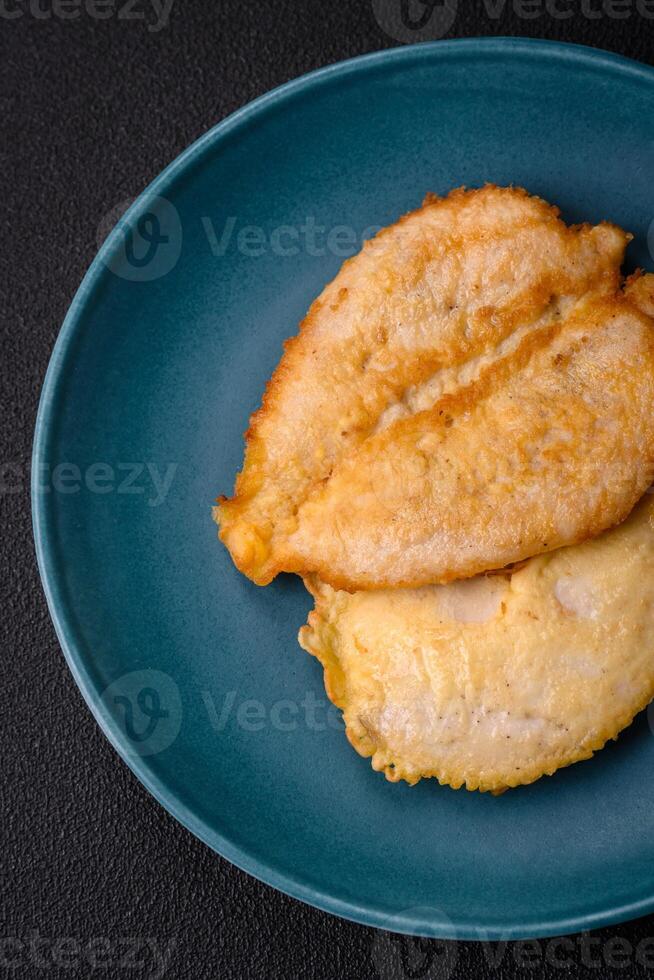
495 681
472 389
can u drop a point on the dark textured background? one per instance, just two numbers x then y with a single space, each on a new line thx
90 112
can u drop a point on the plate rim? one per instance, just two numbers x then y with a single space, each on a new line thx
46 546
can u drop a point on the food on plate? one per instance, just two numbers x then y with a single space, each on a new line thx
452 453
472 389
492 682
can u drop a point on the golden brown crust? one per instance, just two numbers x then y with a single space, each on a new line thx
428 310
639 290
343 533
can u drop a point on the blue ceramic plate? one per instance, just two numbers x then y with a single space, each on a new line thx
194 673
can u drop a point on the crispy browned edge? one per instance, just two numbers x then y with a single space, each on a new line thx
430 201
457 403
367 751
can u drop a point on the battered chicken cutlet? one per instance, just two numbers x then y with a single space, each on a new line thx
473 388
495 681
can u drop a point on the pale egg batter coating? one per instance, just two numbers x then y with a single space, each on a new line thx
495 681
473 388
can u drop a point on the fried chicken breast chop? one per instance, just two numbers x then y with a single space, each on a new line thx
495 681
473 388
